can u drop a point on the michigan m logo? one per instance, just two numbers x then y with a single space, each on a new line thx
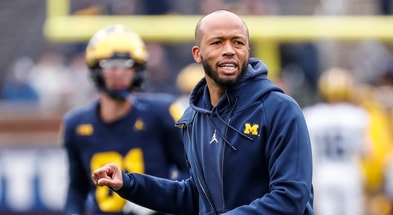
85 129
251 129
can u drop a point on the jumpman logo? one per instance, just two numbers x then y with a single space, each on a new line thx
214 138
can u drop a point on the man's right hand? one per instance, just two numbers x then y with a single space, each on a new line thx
109 175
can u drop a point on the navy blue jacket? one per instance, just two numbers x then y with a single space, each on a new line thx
250 154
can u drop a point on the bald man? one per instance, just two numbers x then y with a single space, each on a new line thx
246 141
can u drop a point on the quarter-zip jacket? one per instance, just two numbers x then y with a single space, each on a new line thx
250 154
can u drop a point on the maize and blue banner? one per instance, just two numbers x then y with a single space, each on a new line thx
32 180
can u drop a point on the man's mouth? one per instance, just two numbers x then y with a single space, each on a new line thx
228 68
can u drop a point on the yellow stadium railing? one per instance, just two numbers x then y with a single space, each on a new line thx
265 31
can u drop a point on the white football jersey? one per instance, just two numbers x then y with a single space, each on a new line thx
339 137
338 133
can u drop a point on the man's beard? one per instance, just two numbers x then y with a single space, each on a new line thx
224 83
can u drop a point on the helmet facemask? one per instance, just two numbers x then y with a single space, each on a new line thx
116 46
118 60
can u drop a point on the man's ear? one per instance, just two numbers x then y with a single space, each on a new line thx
196 54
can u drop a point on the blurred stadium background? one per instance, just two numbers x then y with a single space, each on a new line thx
42 73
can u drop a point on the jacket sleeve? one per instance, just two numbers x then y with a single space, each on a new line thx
289 159
78 182
159 194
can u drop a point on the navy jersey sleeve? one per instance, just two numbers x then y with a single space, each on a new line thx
168 112
174 142
78 186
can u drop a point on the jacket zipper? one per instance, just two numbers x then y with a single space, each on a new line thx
198 171
222 165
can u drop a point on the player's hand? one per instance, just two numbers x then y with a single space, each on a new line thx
109 175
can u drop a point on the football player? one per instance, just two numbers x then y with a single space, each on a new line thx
340 140
132 129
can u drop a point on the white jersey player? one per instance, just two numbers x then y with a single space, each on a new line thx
339 137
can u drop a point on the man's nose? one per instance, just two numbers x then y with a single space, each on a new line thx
228 49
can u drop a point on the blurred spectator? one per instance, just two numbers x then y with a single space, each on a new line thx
103 7
245 7
370 55
50 78
300 61
158 71
165 58
385 7
156 7
300 68
16 86
81 89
